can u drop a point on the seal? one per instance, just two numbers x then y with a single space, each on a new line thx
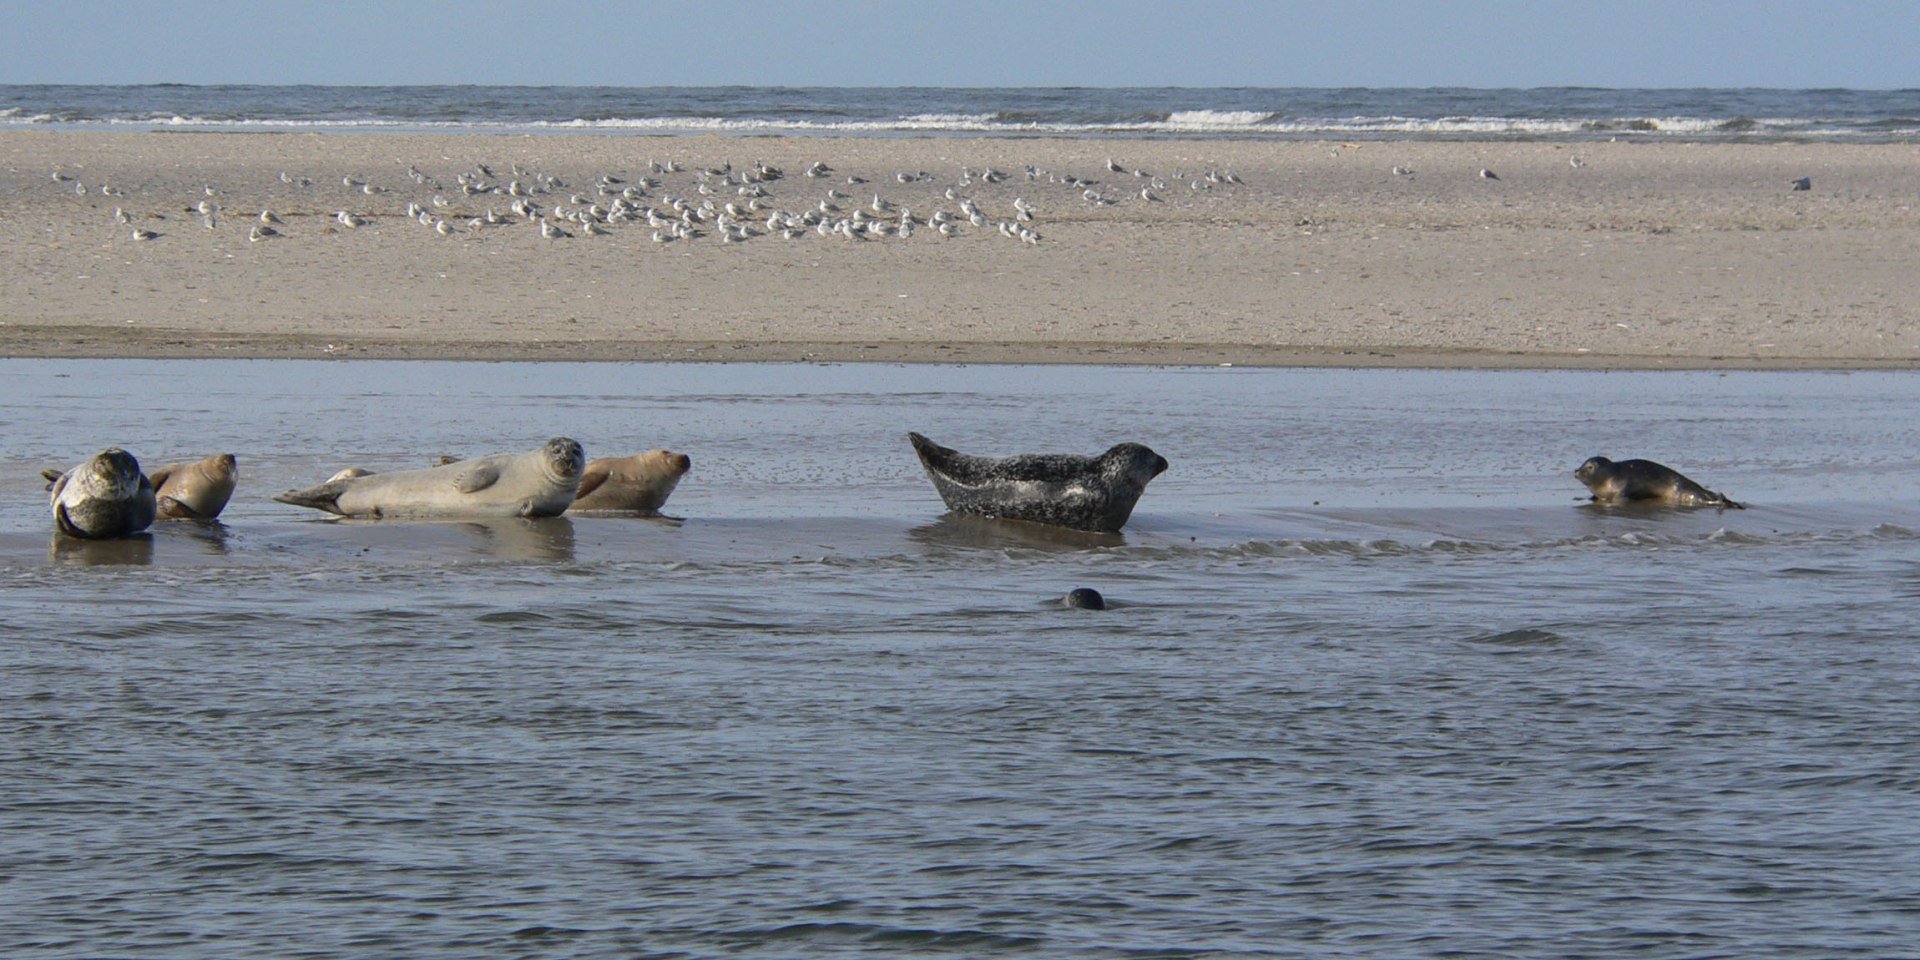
1084 598
198 490
538 483
639 484
1614 482
1096 494
105 497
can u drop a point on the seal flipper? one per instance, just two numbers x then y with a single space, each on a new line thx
945 461
477 478
170 509
52 477
325 497
159 477
591 479
65 524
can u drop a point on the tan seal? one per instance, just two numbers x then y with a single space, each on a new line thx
637 484
538 483
197 490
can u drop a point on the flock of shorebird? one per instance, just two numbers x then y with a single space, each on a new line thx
675 203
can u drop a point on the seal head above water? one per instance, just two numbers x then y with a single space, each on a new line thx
1085 493
538 483
639 484
1619 481
107 496
198 490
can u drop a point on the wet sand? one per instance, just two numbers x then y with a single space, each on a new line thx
1643 256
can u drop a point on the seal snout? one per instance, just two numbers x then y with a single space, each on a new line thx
681 463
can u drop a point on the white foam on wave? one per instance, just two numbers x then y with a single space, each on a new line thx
1217 118
1227 123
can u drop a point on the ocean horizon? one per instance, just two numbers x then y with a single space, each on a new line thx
1277 113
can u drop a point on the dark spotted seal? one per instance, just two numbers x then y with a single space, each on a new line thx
1615 482
107 496
1084 493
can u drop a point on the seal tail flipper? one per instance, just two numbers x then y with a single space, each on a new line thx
325 497
934 456
52 477
1727 503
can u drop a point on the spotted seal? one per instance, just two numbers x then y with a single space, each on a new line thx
106 496
637 484
1085 493
1616 481
197 490
538 483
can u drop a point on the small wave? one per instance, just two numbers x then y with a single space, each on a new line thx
1218 118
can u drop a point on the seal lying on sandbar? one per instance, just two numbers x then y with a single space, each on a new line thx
1613 482
1085 493
538 483
198 490
107 496
637 484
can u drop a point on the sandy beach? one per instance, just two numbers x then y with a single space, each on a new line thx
1640 256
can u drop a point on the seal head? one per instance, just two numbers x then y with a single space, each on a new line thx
1084 598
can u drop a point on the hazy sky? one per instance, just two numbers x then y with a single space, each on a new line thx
1479 43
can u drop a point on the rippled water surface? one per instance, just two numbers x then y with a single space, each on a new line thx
1375 683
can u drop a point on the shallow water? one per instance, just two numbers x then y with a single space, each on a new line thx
1375 684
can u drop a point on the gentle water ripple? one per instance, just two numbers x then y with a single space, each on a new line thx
826 722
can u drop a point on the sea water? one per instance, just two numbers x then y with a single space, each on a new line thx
1376 680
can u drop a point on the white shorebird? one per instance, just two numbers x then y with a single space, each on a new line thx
122 217
1114 167
145 235
1576 161
552 232
348 220
1146 193
268 216
261 232
1486 174
1403 171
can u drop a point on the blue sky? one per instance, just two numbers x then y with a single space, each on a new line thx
1478 43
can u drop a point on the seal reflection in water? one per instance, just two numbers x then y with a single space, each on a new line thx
107 496
538 483
1624 480
1085 493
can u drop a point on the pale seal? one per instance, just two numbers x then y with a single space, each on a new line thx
1085 493
637 484
107 496
198 490
538 483
1614 482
